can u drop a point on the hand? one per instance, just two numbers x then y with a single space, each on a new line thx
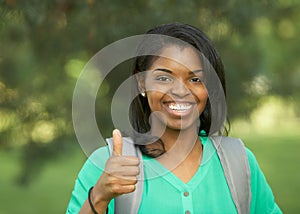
120 173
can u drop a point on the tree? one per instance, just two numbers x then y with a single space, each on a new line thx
45 44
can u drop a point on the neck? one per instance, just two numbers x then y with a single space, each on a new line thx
179 144
170 136
180 137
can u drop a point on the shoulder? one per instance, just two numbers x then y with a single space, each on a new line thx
262 196
253 165
256 172
236 145
251 159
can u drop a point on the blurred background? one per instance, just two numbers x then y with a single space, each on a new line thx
44 45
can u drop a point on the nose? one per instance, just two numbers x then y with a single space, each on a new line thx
179 89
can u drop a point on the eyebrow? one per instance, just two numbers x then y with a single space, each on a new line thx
170 72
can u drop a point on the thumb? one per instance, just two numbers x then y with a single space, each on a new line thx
117 143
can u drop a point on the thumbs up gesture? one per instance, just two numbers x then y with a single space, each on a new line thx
120 173
118 144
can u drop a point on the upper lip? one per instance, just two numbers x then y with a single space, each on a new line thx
180 101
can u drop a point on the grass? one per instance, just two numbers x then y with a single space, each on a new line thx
49 193
279 160
278 157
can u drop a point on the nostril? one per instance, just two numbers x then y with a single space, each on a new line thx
180 90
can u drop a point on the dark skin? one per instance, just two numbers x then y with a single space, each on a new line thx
179 101
119 177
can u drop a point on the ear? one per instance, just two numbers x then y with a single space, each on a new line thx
141 82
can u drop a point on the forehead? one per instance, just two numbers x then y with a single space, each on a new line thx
178 57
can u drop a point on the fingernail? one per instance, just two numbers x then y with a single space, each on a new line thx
117 132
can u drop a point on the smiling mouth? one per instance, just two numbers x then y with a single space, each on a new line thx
180 107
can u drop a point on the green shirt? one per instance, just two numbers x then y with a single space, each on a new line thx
206 192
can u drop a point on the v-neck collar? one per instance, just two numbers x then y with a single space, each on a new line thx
156 169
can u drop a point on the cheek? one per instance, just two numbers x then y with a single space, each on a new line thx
201 94
203 99
204 96
153 100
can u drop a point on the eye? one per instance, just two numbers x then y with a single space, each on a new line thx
196 79
163 78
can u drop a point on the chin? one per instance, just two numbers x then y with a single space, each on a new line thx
182 126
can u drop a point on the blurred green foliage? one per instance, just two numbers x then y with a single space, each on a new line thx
45 44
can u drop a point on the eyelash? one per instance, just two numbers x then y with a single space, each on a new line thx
165 79
198 79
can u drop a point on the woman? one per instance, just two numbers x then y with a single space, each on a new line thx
172 118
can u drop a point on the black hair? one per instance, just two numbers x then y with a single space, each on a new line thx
139 108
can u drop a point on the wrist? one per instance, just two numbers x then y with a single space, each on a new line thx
98 201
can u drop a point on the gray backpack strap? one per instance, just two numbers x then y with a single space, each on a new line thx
234 160
129 203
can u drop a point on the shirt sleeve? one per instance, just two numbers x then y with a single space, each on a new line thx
87 177
262 197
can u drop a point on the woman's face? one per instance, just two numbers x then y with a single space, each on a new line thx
174 87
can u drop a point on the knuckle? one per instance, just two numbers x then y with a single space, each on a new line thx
137 161
112 180
137 170
114 159
134 181
110 160
132 188
113 170
116 189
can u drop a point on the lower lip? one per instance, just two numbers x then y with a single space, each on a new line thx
178 113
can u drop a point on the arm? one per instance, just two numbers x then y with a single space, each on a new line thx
262 197
88 176
119 177
88 206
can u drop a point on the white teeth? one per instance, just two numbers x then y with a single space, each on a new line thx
180 106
